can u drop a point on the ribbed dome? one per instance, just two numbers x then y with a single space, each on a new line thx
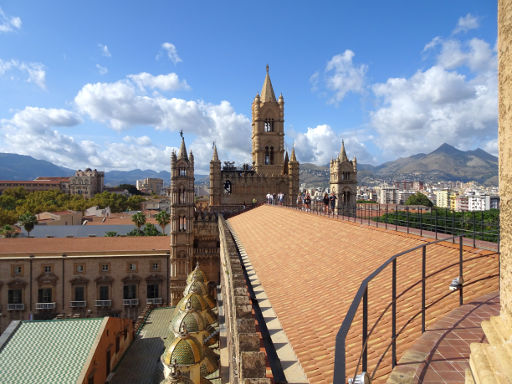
190 319
184 350
196 287
197 275
196 301
176 377
210 362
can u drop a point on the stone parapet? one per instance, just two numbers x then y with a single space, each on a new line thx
246 363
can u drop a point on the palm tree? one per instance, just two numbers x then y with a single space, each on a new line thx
163 218
28 221
139 219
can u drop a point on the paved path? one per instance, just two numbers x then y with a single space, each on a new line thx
441 355
141 362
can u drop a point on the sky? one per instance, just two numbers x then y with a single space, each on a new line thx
109 84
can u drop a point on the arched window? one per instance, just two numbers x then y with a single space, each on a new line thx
183 172
271 155
267 156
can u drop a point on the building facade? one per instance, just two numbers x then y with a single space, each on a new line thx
150 185
272 171
86 183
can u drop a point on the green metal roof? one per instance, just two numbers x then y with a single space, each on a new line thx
53 351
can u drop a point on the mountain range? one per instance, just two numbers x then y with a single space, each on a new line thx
446 163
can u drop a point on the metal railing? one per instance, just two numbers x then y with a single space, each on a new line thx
45 306
130 302
77 304
16 307
103 303
340 373
154 300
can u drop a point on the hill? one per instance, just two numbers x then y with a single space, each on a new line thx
20 167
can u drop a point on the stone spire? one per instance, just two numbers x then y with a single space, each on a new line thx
267 92
292 157
182 154
343 153
215 155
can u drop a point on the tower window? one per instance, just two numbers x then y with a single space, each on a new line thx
183 172
269 155
269 125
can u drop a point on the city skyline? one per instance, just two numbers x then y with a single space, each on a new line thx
100 86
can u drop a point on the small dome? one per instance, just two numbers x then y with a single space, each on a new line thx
197 275
196 302
184 350
210 301
196 287
176 377
210 362
191 319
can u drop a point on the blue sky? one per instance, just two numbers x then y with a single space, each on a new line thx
109 84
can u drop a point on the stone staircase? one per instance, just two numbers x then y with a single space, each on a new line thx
492 362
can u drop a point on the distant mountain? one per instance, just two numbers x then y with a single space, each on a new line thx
20 167
445 163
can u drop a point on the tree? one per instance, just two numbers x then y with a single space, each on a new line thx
163 218
150 230
28 221
419 199
7 217
139 219
111 234
8 231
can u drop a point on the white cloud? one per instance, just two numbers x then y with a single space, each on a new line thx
169 82
341 76
320 144
35 71
440 104
8 23
101 69
104 50
170 51
466 23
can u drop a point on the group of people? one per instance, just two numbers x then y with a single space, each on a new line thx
274 199
304 202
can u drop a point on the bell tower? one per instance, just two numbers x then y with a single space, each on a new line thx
343 182
182 218
268 131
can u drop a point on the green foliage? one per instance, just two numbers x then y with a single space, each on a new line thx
28 221
8 231
139 219
134 202
419 199
7 217
366 202
163 218
483 225
130 188
149 230
111 234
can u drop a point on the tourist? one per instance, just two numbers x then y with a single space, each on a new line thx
254 201
332 199
299 201
326 203
307 202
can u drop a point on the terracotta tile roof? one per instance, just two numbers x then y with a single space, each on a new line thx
120 219
36 246
311 267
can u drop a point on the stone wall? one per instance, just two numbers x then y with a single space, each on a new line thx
505 150
244 361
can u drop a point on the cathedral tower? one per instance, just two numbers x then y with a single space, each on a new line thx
343 182
182 218
268 131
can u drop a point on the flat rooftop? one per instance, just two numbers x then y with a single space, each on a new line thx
310 268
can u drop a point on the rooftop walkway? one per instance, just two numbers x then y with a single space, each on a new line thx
441 355
311 266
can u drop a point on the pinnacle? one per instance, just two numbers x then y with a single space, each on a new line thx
267 92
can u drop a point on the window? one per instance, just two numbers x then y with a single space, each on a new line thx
79 293
105 267
104 292
79 268
269 125
17 270
183 223
183 172
47 268
90 380
152 291
14 296
130 291
267 156
44 295
155 267
132 267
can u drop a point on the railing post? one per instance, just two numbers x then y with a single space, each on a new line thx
393 317
396 217
386 221
474 230
365 331
461 275
435 225
407 219
423 286
421 221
